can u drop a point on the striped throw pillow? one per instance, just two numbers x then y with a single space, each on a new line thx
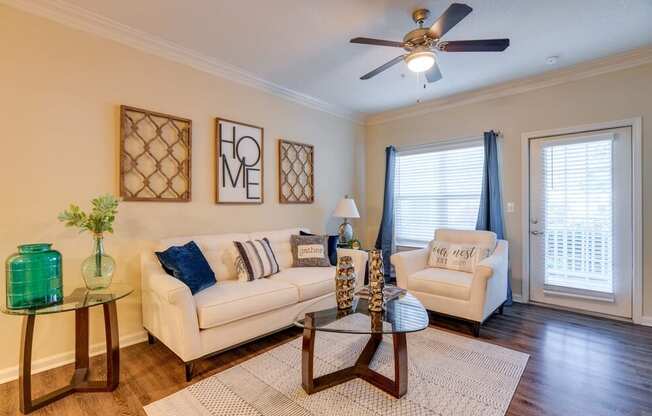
257 258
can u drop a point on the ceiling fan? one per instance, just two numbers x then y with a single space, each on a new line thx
421 43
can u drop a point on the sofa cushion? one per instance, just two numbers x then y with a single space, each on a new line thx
280 242
218 249
442 282
233 300
476 237
311 282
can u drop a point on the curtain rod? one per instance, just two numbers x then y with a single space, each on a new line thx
444 141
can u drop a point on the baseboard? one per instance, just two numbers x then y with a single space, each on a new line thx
645 320
58 360
517 298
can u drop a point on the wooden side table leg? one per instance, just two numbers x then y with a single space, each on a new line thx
25 365
112 346
81 346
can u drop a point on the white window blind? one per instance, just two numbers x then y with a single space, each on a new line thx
437 188
578 215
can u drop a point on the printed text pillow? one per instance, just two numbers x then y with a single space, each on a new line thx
460 257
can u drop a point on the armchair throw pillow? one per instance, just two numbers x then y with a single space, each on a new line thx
460 257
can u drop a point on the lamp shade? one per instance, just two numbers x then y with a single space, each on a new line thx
346 209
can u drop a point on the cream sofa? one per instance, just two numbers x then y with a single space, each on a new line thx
470 296
231 312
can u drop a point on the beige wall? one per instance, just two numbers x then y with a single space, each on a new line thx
610 97
60 90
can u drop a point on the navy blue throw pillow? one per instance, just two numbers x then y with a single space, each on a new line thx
332 247
188 264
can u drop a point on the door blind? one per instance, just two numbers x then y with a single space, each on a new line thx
578 215
438 188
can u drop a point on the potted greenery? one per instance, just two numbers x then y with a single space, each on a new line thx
98 268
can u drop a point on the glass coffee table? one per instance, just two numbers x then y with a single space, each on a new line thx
401 315
79 300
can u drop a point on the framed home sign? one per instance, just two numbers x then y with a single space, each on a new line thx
238 163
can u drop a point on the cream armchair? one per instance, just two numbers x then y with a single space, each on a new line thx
470 296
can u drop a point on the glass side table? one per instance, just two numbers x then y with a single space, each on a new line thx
79 301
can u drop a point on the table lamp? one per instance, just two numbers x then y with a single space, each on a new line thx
346 209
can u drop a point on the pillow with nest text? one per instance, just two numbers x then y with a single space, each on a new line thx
460 257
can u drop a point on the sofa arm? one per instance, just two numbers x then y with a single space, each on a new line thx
359 258
169 310
408 262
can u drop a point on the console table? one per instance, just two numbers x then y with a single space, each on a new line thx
80 300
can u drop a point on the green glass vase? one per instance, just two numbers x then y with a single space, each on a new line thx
98 268
34 277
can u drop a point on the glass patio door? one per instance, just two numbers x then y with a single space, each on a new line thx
581 221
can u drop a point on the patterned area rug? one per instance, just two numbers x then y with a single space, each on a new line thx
448 375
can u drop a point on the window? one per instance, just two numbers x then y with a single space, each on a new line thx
437 187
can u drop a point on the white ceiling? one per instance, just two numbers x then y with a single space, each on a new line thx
304 45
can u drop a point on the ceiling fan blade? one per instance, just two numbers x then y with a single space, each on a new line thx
382 67
433 74
481 45
377 42
452 16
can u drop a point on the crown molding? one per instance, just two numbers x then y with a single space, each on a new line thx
79 18
612 63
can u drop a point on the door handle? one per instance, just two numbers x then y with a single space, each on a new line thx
536 232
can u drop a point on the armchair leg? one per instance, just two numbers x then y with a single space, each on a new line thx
190 366
476 329
150 339
500 309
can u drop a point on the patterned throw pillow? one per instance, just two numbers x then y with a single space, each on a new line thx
461 257
310 251
256 258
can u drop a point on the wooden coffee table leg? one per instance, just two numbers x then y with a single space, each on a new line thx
307 356
396 387
400 364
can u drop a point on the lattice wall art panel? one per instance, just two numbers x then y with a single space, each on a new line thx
296 173
155 153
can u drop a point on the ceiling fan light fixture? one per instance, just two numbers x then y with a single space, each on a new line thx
420 60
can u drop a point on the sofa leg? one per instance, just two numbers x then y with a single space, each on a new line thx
476 329
500 309
190 366
150 339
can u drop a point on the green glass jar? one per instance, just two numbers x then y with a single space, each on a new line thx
34 277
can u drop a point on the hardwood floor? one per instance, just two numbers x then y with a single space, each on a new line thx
579 365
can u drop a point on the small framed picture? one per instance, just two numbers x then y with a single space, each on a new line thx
239 158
